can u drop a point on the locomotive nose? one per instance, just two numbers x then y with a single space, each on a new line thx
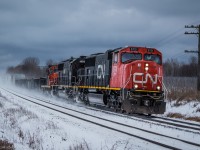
146 76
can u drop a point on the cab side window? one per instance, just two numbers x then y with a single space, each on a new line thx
115 58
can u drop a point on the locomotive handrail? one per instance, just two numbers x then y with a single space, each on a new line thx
165 89
75 88
127 82
74 80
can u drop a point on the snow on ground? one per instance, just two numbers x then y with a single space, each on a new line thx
29 126
187 109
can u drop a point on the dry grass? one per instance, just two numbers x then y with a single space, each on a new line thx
20 112
175 115
180 116
115 146
33 141
183 94
51 125
197 119
81 146
182 88
21 134
5 145
13 115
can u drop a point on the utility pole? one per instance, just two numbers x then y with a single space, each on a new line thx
198 52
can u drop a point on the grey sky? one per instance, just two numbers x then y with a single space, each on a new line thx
59 29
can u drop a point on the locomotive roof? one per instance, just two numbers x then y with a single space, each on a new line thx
96 54
72 59
116 49
109 50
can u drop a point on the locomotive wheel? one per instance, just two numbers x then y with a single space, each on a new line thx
70 94
54 93
105 99
127 107
76 98
81 97
117 106
86 99
122 111
114 103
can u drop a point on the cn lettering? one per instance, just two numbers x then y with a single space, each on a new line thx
144 79
100 71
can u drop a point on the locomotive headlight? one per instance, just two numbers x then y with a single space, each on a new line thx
158 87
146 68
146 65
135 86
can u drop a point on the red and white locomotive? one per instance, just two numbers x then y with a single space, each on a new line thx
128 79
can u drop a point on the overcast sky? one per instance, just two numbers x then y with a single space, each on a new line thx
59 29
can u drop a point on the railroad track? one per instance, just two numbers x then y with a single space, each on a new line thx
177 121
163 121
171 123
115 126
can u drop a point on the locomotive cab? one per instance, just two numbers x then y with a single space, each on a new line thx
52 75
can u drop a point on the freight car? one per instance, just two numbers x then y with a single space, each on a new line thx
128 79
32 83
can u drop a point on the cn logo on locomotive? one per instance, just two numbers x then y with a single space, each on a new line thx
154 79
100 71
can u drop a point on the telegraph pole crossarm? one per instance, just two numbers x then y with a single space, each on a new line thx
191 51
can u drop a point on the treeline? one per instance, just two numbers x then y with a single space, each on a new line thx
29 67
172 67
175 68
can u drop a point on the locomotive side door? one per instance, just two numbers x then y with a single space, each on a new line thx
115 77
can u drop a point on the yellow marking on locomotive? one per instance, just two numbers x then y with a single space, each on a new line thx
99 87
96 87
83 87
147 91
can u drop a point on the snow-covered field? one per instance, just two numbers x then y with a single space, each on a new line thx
187 109
29 126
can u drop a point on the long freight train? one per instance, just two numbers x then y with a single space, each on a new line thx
127 79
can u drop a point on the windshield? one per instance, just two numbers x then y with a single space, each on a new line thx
153 57
130 57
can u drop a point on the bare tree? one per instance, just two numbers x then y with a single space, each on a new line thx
30 67
172 67
49 62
